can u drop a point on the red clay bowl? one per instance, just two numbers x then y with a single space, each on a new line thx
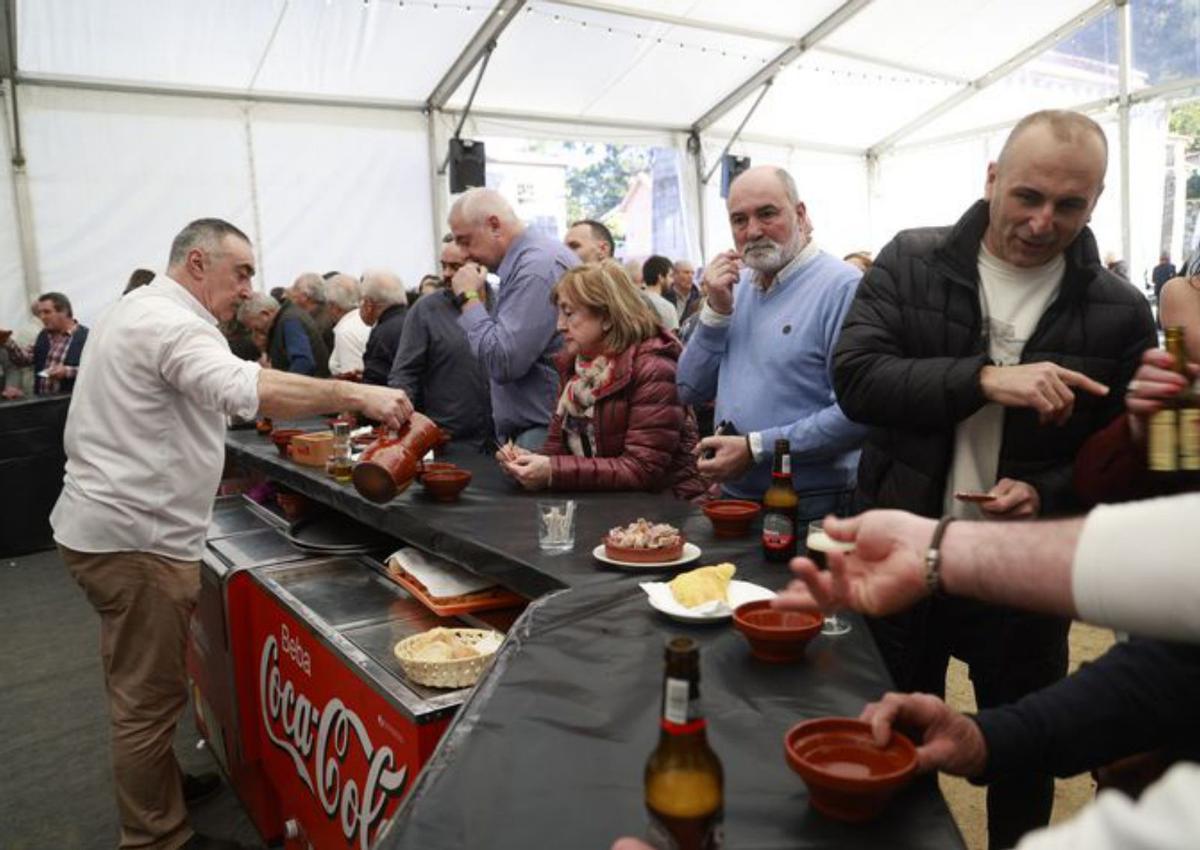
433 466
731 517
636 555
445 485
776 636
849 777
282 437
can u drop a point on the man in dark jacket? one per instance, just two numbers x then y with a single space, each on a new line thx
384 305
293 342
964 350
55 353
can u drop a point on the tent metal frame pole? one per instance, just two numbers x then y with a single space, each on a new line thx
996 74
1183 88
696 152
487 34
22 201
255 208
1124 38
821 31
732 139
262 60
435 186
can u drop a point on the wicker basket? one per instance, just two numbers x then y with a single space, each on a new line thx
454 673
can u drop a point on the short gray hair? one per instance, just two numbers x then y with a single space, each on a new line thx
342 291
203 233
475 205
383 288
258 302
312 286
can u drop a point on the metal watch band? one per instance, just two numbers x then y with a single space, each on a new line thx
933 556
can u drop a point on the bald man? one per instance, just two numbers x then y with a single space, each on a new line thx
983 355
517 341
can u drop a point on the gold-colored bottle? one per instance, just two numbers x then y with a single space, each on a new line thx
779 508
1173 444
684 779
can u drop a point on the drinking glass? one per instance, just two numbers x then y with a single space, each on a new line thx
817 544
556 525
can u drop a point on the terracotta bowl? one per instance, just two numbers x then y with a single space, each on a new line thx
635 555
434 466
293 505
282 438
849 777
445 485
731 517
776 636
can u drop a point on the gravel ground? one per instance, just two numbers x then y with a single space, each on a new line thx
966 801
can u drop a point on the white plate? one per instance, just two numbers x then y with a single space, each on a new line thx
690 553
740 592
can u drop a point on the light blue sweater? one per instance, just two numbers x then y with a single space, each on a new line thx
770 371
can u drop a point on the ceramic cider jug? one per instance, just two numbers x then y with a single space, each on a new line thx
389 464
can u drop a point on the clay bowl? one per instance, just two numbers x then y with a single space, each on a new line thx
635 555
849 777
282 438
434 466
731 517
776 636
293 505
445 485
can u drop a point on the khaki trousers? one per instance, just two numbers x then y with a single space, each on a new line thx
145 602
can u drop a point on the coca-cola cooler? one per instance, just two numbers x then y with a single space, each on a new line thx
297 691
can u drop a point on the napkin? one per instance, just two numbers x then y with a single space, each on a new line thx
440 577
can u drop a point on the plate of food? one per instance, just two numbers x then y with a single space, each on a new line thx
703 595
646 545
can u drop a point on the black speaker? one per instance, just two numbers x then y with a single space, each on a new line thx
468 168
731 167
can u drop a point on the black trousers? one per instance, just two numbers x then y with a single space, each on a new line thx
1009 654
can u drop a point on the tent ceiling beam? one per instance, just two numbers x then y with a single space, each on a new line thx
1174 89
91 84
485 38
891 65
999 72
790 54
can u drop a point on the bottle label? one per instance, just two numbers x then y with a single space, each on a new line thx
706 832
779 531
675 701
1163 449
786 465
1189 439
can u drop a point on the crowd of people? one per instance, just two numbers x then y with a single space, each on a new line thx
995 356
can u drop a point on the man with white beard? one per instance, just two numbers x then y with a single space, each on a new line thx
764 349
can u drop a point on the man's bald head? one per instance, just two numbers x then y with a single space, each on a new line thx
484 225
769 222
1065 126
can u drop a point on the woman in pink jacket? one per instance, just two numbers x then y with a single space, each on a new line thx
619 424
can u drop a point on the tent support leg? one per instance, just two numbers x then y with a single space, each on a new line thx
22 201
436 197
1124 33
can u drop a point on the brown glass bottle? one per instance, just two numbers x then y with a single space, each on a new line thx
1173 442
779 508
684 779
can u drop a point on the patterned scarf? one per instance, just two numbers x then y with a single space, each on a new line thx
577 404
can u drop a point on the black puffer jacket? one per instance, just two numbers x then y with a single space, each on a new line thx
911 350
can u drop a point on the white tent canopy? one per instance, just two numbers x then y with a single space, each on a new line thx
319 125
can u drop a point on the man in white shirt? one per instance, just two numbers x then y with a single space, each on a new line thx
145 445
982 355
350 333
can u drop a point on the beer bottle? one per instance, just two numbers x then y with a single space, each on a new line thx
1173 444
779 508
684 780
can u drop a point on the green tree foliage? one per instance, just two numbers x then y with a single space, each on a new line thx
1185 121
598 187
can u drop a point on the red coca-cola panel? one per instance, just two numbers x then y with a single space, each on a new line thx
338 755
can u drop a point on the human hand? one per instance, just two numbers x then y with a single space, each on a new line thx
950 741
531 471
719 277
1014 500
470 278
730 457
1154 382
885 572
509 451
11 393
389 406
1046 387
628 843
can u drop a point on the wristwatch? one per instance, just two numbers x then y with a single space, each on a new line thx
463 298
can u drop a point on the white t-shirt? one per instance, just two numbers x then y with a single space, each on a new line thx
349 342
1012 300
665 309
145 435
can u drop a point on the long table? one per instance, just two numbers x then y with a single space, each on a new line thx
548 750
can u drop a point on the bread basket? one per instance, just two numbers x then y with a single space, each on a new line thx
452 673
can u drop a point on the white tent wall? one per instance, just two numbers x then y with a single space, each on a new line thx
13 299
344 189
113 177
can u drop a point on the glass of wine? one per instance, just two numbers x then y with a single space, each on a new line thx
817 545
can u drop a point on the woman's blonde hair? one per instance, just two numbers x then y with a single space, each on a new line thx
605 289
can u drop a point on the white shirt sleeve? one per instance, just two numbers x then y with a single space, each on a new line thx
1137 568
712 318
197 362
1166 817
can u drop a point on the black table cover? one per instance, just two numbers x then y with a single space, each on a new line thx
31 467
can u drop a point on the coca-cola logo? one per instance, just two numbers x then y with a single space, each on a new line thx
319 741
